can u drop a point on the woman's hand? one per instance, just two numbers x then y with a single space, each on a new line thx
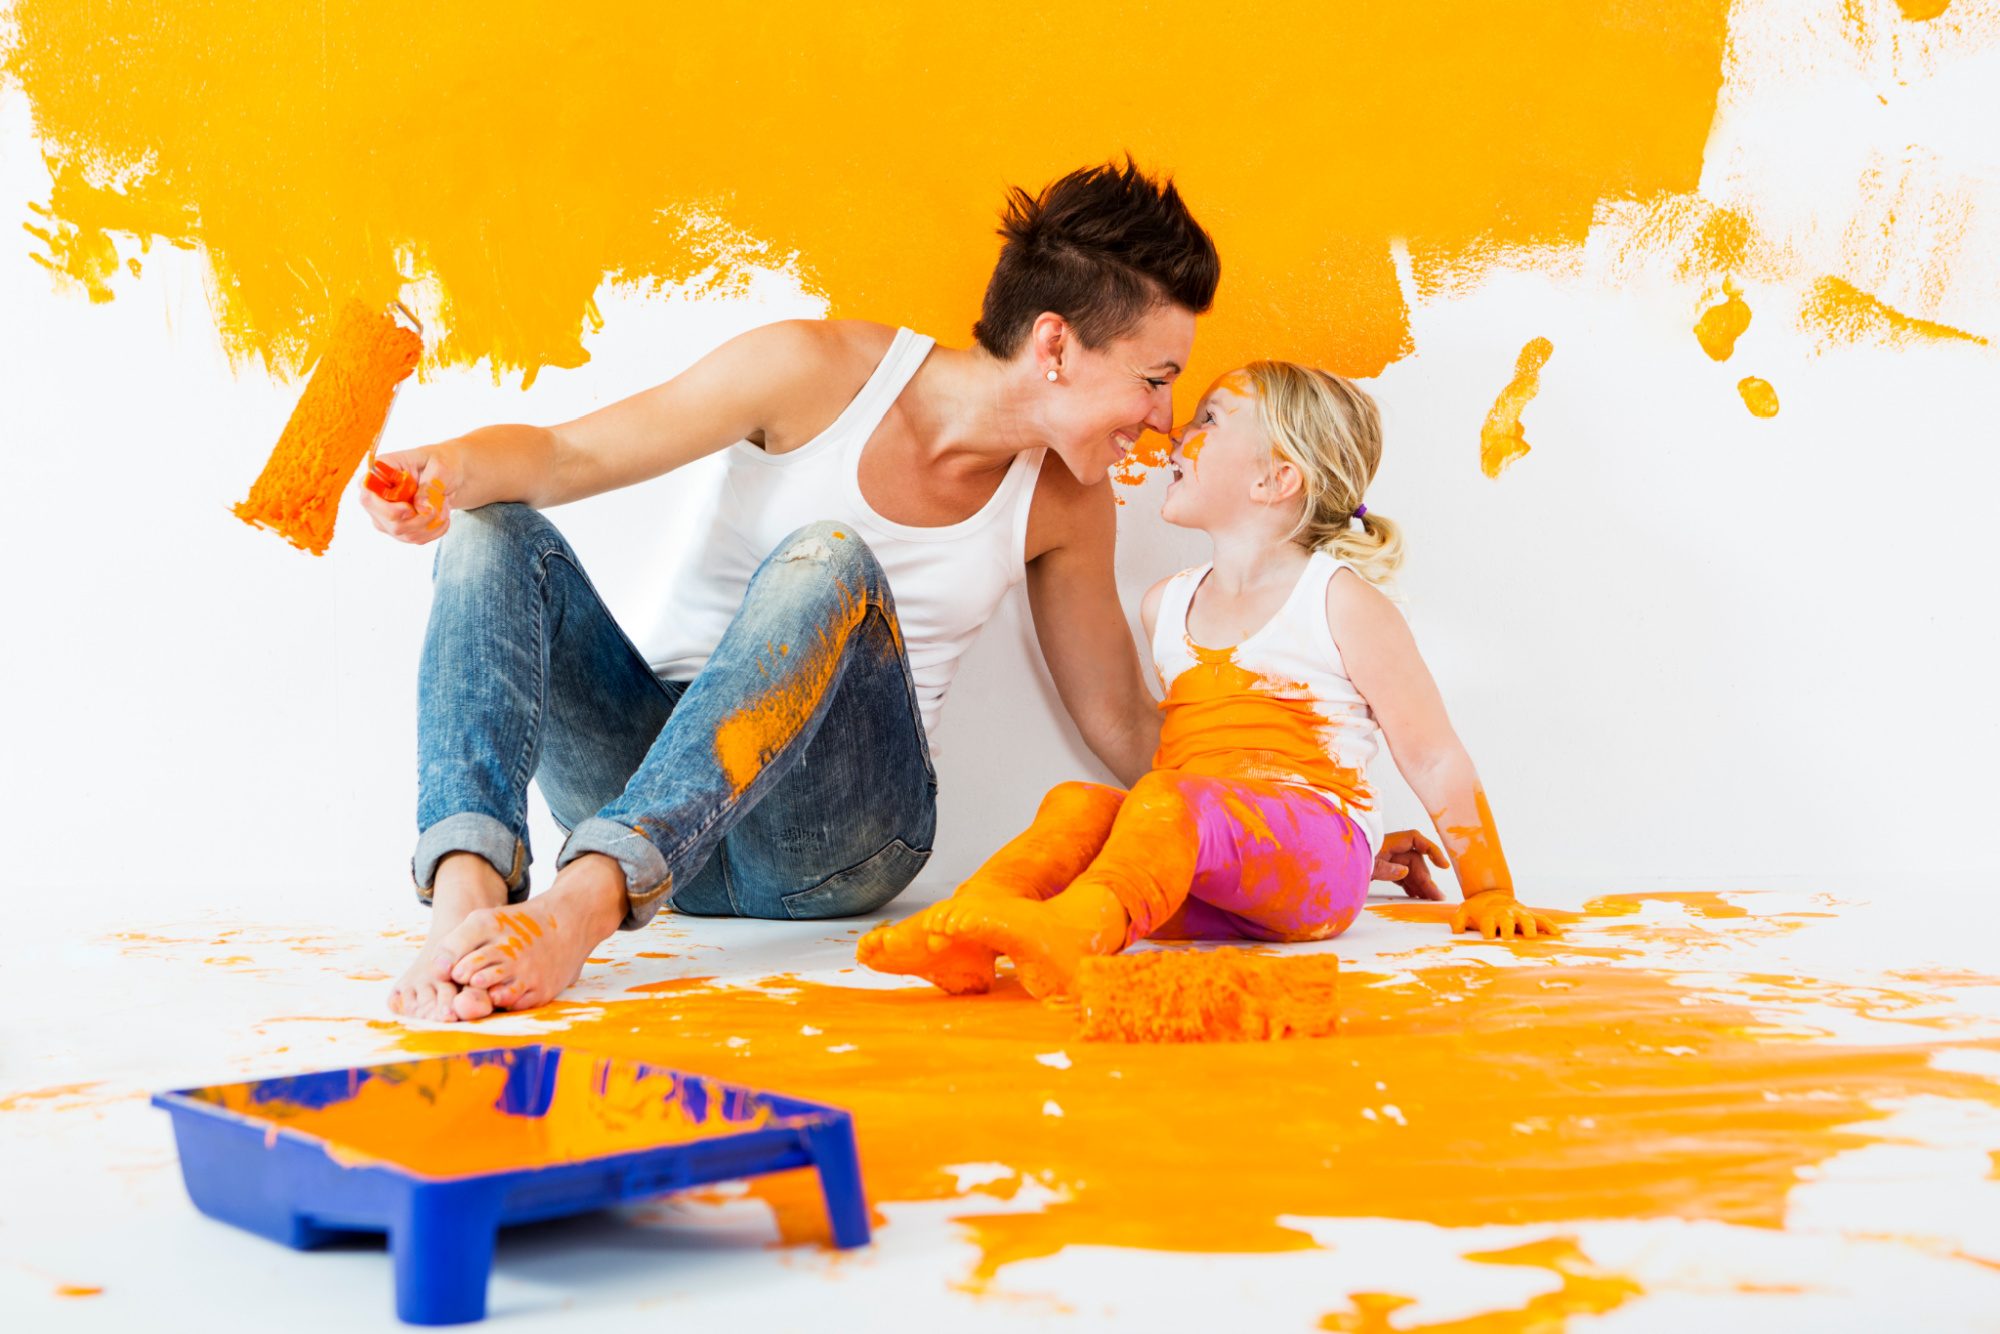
1495 914
439 473
1401 861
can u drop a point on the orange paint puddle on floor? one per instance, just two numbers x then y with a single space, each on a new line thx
74 1094
1502 438
1585 1290
1462 1095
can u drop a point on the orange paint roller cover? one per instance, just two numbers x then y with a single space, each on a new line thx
334 426
1207 996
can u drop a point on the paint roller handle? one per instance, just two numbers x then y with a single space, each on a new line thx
409 494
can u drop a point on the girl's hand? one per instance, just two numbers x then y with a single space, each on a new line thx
1401 862
1494 914
427 515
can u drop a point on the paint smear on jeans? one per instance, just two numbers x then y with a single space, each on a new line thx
494 162
1631 1093
1501 437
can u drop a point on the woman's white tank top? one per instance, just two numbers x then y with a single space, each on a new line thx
947 581
1277 707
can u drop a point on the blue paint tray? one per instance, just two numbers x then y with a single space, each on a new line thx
441 1153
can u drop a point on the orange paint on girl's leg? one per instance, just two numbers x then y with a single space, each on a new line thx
1070 827
1047 940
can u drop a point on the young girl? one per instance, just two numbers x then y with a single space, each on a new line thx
1284 666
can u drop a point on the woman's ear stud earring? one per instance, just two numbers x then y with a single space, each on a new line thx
1052 376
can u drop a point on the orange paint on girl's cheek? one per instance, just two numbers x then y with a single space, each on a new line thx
1595 1123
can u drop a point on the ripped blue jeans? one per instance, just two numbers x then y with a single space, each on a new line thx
790 779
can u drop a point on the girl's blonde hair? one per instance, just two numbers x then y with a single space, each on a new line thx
1328 428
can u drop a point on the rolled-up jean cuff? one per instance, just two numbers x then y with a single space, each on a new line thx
470 831
647 883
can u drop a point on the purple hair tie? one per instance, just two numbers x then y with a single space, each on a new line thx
1360 510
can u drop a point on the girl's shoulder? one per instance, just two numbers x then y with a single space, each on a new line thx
1355 607
1156 596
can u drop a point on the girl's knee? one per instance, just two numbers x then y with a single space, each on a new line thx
1080 803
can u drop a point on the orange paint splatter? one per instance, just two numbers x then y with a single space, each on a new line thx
747 739
1921 10
1501 439
1836 311
502 168
78 1290
1621 1101
1722 324
1585 1290
16 1101
333 428
1758 396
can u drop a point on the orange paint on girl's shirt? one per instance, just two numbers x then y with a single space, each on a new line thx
1594 1122
1221 720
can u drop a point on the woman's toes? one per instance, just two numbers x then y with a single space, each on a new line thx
471 1003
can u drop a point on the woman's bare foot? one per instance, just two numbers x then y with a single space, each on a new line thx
521 957
464 884
915 947
1046 939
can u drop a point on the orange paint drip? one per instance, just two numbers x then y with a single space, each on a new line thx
444 1120
1585 1290
333 428
1758 396
1836 311
1501 439
1722 324
1222 720
1207 996
1598 1120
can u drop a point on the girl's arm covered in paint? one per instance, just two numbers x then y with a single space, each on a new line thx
731 394
1081 627
1381 658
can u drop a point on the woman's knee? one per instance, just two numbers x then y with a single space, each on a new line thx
830 550
486 539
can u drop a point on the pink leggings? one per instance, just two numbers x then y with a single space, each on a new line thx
1196 858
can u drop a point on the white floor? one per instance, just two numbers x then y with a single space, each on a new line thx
116 996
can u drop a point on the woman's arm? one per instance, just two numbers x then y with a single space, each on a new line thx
1081 626
734 393
1382 660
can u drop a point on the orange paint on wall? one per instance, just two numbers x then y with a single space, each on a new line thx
494 161
1722 324
1501 439
1621 1101
1836 311
1758 396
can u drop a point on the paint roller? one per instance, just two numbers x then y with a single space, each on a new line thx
335 425
1227 995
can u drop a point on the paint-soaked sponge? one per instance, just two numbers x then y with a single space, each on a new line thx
1207 996
335 425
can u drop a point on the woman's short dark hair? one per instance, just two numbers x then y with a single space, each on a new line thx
1100 247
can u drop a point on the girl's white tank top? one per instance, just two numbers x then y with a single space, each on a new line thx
947 581
1292 658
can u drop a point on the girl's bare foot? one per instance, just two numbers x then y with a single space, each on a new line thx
518 958
464 884
1046 939
915 947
